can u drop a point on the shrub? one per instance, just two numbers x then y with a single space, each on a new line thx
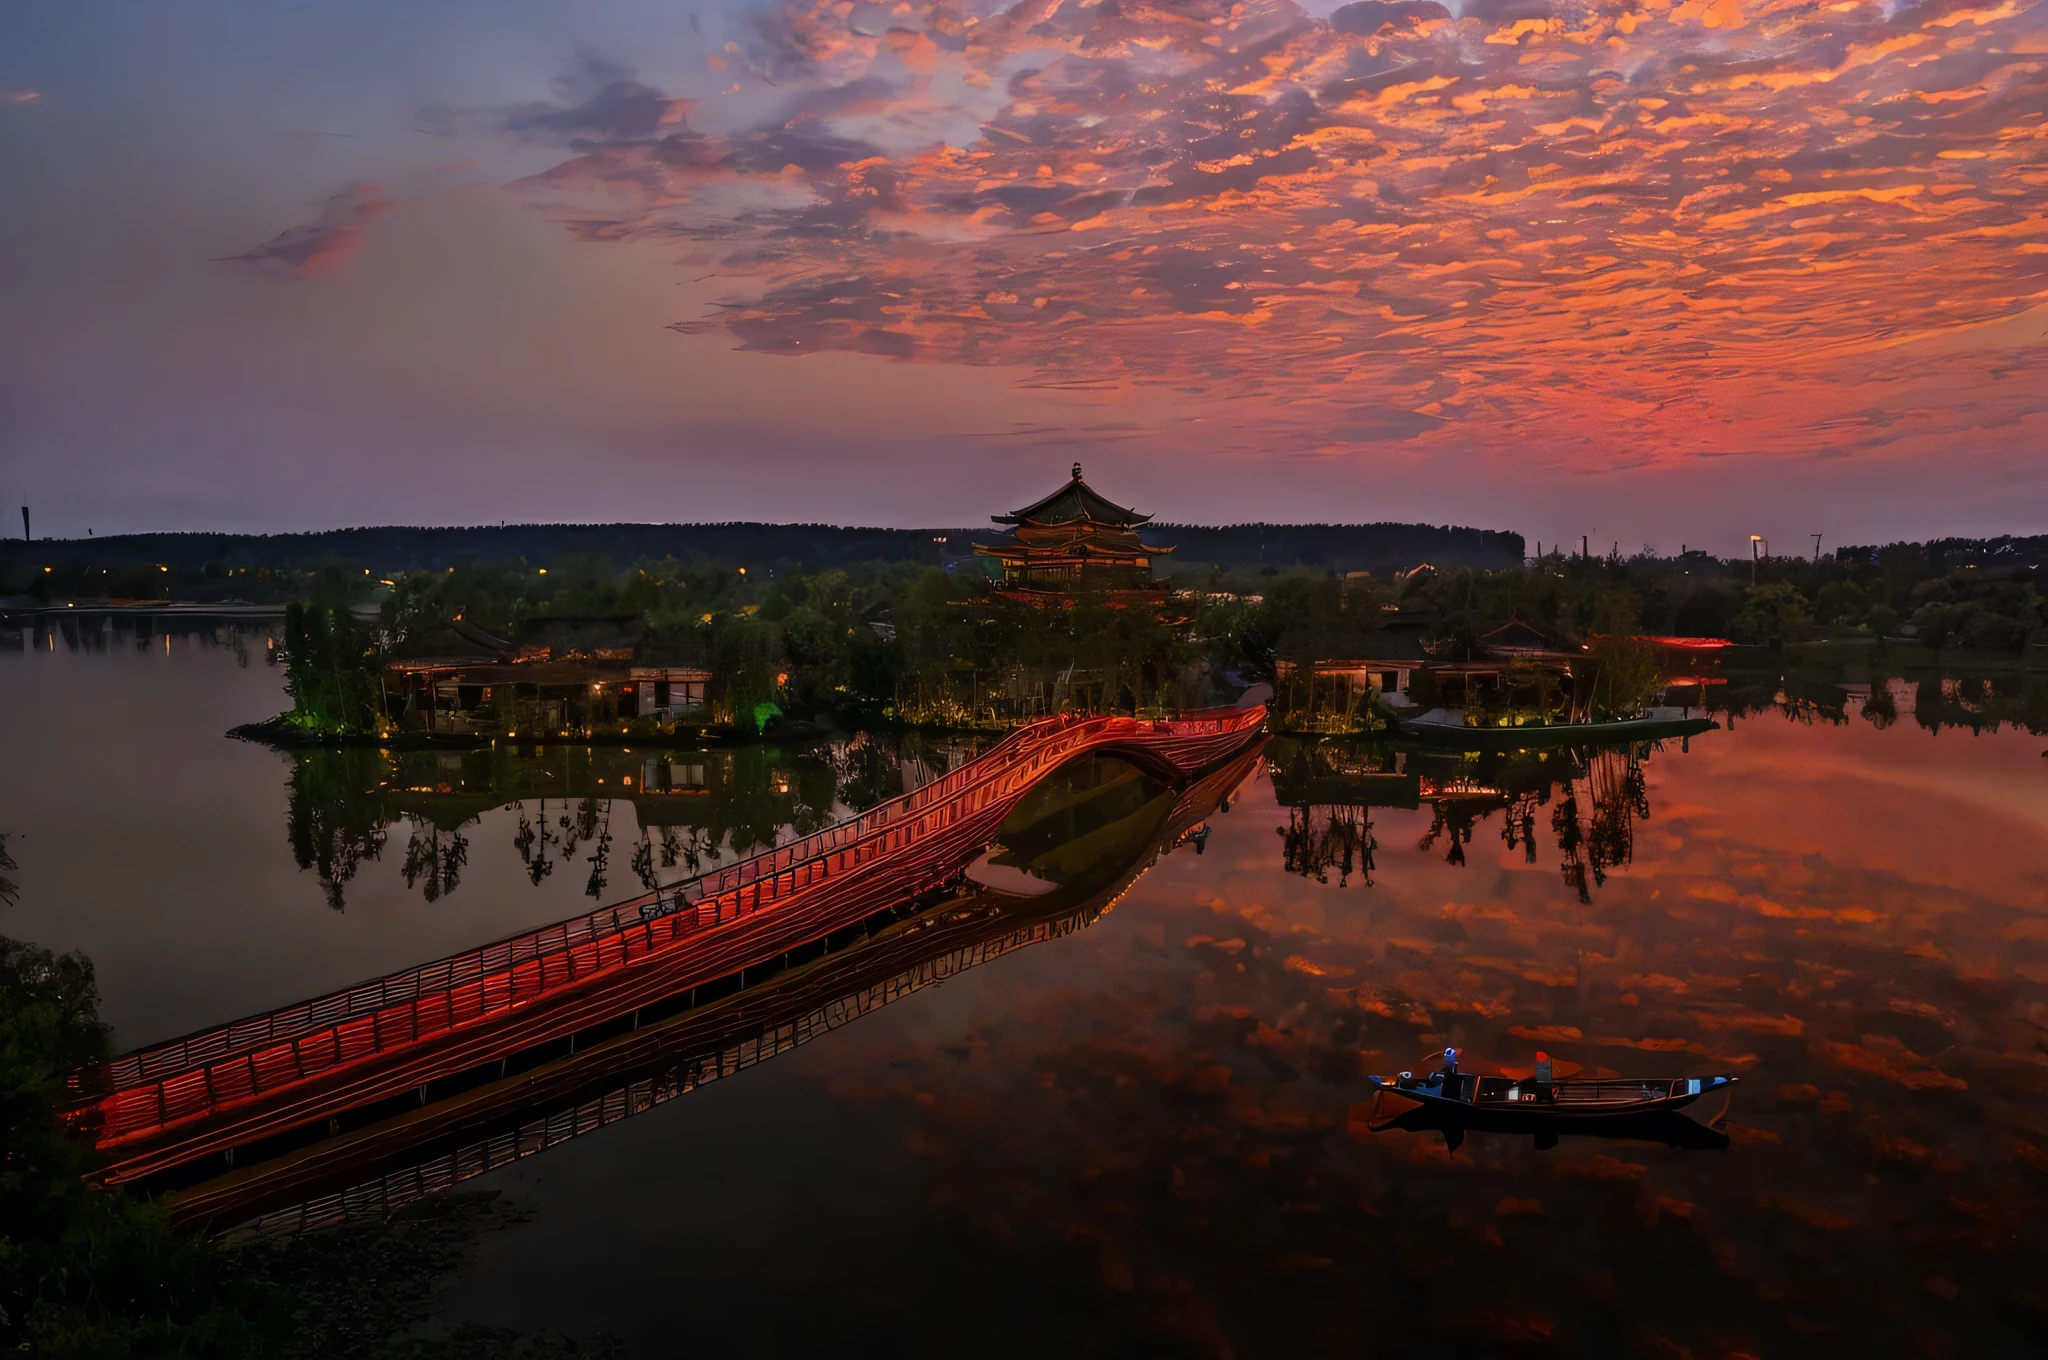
1774 614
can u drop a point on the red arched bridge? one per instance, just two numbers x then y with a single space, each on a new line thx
221 1088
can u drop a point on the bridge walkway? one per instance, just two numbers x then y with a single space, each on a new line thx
222 1086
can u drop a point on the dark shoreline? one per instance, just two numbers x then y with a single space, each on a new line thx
280 734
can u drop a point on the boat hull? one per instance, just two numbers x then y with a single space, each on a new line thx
1671 1119
1566 1113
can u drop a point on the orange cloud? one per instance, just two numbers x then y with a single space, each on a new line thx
1394 226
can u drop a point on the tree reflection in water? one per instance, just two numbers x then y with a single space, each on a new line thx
426 857
1319 839
597 821
1596 797
1620 795
1518 827
691 808
1937 698
333 828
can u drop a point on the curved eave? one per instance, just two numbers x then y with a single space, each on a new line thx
1043 553
1086 503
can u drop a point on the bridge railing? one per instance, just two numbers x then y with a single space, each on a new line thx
159 1085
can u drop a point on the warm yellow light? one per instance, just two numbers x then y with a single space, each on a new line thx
543 571
623 779
162 568
743 571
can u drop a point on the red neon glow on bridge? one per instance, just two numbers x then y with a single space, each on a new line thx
213 1090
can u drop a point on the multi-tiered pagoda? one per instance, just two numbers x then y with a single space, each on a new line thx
1073 538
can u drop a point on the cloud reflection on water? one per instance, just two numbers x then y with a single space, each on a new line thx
1176 1097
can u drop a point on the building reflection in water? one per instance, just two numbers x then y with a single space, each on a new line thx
691 808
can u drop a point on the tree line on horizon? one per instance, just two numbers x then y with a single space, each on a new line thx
214 565
928 644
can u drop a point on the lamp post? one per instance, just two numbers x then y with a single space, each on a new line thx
1755 547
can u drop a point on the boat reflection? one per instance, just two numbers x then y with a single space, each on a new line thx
1677 1129
1089 831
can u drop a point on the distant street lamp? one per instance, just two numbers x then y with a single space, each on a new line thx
1755 547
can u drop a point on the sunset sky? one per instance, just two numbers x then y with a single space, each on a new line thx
1653 272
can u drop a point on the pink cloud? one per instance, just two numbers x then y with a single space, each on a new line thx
1588 235
323 245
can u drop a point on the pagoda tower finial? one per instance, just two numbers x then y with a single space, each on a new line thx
1077 472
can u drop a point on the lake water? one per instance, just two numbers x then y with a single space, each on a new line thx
1152 1135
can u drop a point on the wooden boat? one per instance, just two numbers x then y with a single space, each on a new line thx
1543 1098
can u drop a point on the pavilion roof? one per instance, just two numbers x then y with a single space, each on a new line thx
1517 634
1074 501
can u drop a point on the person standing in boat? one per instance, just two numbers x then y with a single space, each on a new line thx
1448 1074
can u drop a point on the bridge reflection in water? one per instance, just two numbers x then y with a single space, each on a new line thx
412 1083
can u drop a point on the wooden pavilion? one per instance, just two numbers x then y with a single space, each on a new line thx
1074 536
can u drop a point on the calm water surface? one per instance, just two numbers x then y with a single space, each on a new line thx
1152 1136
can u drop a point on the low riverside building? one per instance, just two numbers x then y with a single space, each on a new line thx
561 676
1338 694
471 697
667 692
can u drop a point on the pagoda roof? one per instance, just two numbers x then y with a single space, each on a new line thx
1078 553
1074 501
1080 534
